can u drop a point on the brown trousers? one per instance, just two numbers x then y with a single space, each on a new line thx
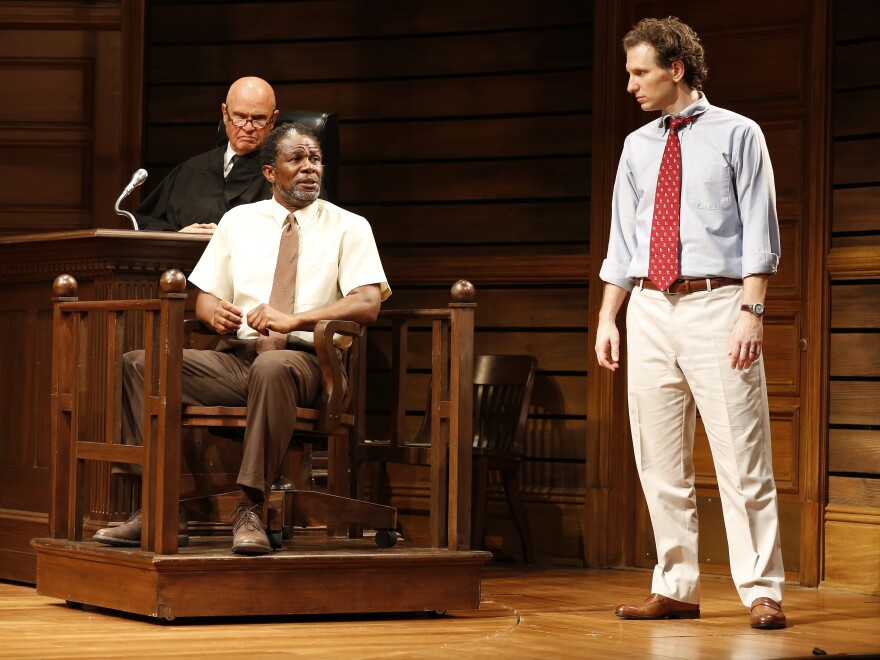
271 385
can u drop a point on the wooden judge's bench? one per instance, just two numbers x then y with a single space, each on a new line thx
108 265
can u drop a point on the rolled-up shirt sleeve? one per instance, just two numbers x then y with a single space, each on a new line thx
622 238
756 196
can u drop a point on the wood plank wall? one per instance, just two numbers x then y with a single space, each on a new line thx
70 134
465 140
852 519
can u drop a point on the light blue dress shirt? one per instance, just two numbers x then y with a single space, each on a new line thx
729 226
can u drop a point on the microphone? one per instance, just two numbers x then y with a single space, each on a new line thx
136 179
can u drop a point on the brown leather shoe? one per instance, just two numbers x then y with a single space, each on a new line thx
128 534
659 607
248 535
766 614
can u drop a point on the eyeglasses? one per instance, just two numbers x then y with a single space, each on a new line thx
240 122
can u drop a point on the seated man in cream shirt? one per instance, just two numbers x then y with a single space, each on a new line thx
338 275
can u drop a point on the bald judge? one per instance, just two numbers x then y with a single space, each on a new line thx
196 193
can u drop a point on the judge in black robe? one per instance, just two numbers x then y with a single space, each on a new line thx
196 192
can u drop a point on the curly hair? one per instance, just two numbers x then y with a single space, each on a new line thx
269 150
673 40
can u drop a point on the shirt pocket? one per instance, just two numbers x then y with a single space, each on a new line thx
315 284
710 187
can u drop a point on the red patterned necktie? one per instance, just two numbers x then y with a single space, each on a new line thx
283 284
663 265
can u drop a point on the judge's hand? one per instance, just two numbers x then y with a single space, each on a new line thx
200 228
263 318
226 318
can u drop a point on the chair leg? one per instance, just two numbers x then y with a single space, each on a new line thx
479 494
518 510
378 480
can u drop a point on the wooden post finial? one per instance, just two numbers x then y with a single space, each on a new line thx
463 292
64 286
172 281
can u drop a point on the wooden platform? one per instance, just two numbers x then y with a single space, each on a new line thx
313 574
541 613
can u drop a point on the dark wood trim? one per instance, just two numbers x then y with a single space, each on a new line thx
133 25
813 439
607 511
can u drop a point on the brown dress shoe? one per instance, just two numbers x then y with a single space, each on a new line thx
248 535
766 614
128 534
659 607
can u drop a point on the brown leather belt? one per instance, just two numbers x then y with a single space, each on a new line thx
690 286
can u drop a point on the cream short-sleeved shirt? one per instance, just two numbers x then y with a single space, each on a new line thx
337 253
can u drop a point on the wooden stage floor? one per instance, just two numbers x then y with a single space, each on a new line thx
525 613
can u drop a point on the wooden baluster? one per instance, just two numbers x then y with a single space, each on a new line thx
461 396
64 328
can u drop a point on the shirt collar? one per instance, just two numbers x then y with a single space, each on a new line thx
230 152
698 107
306 216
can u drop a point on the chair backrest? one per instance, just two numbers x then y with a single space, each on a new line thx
326 128
502 392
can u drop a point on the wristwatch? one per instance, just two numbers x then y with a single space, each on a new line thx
757 309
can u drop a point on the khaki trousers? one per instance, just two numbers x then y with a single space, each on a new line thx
271 385
677 363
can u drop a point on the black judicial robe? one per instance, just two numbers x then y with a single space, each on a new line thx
195 191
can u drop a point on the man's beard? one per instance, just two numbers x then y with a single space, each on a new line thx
297 197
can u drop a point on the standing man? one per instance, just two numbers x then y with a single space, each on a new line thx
196 193
271 271
694 239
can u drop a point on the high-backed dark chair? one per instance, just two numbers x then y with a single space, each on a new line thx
502 393
326 128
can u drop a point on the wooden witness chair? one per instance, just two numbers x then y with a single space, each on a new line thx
317 574
75 440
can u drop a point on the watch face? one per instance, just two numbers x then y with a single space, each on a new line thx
758 309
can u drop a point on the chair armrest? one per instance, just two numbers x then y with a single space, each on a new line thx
330 359
197 335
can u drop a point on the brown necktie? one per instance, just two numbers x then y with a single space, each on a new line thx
284 283
663 266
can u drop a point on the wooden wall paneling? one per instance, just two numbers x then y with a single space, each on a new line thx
855 355
854 402
851 542
854 305
852 515
853 450
465 140
854 491
782 360
610 511
850 58
465 223
70 138
855 210
856 161
855 112
202 21
500 51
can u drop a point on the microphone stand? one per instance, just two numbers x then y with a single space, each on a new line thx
136 179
